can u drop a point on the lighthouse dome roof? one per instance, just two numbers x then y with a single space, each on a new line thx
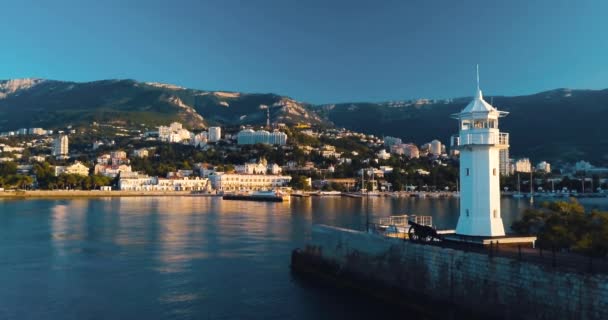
478 105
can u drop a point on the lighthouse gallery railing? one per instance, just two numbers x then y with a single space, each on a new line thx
483 138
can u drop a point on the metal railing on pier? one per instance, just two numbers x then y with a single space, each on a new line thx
562 259
397 226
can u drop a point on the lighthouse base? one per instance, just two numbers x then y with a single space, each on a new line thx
507 240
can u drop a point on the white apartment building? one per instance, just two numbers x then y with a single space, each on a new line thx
248 136
233 181
435 148
215 134
174 133
523 165
61 146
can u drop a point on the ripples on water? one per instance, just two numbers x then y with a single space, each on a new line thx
182 257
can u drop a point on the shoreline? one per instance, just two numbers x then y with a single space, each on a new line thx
97 194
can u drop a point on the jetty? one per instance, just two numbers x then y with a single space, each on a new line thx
492 281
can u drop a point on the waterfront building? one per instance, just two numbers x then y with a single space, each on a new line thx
233 181
523 165
480 142
61 147
248 136
141 182
215 134
135 181
77 168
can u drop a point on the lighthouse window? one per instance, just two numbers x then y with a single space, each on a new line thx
467 212
495 213
494 171
468 171
466 125
478 124
493 124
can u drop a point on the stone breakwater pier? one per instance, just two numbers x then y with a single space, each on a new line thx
474 284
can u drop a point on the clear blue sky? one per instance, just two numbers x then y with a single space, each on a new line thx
319 51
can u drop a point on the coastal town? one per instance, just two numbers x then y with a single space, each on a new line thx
116 157
304 160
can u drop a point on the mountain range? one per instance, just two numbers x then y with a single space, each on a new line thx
557 125
50 103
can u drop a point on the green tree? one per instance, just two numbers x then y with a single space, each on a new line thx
566 225
300 183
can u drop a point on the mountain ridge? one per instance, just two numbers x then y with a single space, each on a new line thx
49 103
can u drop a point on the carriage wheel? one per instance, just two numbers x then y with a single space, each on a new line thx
425 238
412 234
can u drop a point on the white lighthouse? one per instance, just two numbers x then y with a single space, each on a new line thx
479 142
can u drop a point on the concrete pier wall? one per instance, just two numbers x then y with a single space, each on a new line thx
487 286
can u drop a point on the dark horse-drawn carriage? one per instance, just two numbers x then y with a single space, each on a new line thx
422 233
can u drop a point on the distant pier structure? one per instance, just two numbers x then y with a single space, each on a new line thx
480 142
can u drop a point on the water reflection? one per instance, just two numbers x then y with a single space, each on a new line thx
183 257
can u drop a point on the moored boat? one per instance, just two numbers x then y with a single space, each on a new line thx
269 195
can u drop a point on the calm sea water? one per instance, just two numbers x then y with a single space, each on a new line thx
183 257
